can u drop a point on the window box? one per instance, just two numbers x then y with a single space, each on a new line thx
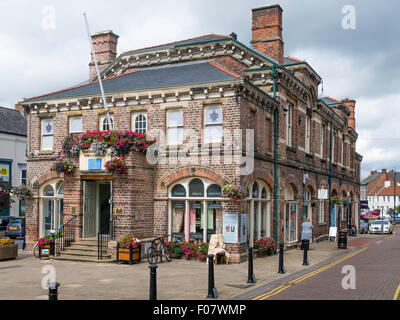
128 255
8 251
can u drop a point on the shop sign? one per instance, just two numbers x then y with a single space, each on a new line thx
178 205
89 160
4 172
230 227
243 227
214 205
196 205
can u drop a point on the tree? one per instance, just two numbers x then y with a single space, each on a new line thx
5 200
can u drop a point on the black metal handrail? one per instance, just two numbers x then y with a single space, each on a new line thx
104 236
65 235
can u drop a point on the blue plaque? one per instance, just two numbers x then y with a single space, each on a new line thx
94 164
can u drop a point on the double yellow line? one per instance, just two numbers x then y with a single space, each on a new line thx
310 274
396 295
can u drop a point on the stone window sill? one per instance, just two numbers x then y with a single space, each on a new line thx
309 155
291 149
46 152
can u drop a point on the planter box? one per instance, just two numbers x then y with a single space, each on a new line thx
46 250
8 251
129 255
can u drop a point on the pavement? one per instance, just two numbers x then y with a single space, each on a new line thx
177 280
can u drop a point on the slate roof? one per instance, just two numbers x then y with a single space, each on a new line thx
329 100
192 73
287 61
204 38
370 178
12 121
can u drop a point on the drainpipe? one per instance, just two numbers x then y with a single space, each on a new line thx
330 175
276 118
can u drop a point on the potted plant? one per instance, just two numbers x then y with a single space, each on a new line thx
335 200
8 249
46 246
128 249
235 193
202 251
63 166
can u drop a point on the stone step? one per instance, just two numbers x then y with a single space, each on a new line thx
82 259
82 247
83 253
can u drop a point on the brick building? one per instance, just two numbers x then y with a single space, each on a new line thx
204 97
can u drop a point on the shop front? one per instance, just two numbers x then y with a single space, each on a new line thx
194 209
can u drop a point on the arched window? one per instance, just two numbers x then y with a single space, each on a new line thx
196 188
107 123
258 210
52 206
140 122
290 220
193 213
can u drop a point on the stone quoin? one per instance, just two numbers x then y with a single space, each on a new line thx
194 95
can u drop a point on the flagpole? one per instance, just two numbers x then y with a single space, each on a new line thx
97 71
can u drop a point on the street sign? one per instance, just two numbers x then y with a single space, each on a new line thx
363 204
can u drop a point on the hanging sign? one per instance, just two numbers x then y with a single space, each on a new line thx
230 224
178 205
322 194
195 205
4 172
214 205
243 227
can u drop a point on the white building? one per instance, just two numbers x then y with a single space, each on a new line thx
384 198
13 129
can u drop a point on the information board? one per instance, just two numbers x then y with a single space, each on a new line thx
230 227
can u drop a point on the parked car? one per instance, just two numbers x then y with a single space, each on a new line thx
376 227
15 227
4 222
363 226
397 219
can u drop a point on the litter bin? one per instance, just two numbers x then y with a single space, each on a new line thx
342 241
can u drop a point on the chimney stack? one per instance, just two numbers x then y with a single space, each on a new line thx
105 47
384 170
351 104
267 31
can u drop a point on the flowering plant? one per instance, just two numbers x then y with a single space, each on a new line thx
45 240
4 242
203 251
190 249
345 200
121 142
264 246
129 240
21 192
63 166
235 193
116 164
335 200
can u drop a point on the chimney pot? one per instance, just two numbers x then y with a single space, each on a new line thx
384 170
105 46
267 31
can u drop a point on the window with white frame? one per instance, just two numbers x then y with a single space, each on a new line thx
342 152
75 124
289 119
47 134
321 211
321 143
308 133
333 146
212 124
107 123
139 122
175 127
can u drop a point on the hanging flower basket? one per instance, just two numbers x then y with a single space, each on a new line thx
63 166
116 165
235 193
335 200
345 201
22 192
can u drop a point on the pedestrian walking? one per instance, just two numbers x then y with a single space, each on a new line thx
306 231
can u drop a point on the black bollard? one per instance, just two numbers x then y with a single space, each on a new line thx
281 268
212 291
53 288
305 249
251 276
153 282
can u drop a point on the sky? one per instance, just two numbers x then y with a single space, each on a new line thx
44 47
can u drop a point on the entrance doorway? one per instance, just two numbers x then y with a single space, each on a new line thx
96 208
